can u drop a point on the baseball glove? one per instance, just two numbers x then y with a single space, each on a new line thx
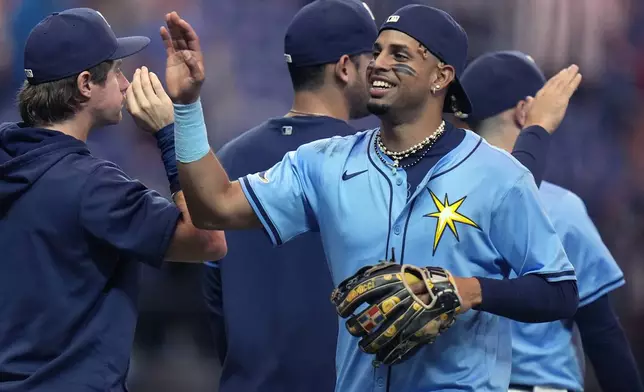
396 322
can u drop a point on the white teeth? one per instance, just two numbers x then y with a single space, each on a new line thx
381 84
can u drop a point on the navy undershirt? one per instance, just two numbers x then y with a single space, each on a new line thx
607 347
529 298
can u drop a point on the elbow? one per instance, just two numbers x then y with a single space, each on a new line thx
568 300
201 224
217 248
203 219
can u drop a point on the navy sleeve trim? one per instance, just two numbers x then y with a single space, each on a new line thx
556 275
602 288
263 213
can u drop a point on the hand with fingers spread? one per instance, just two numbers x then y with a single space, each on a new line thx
548 107
147 101
184 66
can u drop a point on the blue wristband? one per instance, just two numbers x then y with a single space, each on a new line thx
190 135
165 142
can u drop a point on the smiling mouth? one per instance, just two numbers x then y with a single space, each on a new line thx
379 88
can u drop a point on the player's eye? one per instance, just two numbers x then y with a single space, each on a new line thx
400 56
375 53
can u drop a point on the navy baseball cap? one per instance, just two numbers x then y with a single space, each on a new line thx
72 41
496 81
444 38
325 30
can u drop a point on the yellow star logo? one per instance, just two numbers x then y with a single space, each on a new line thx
446 215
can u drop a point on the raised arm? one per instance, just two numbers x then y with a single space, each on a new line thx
151 109
545 113
213 200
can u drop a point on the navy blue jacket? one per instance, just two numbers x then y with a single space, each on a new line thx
280 326
71 228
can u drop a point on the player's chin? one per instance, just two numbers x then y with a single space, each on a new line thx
112 118
117 117
378 107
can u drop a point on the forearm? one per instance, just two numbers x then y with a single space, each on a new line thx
529 299
605 343
531 149
191 244
210 195
206 185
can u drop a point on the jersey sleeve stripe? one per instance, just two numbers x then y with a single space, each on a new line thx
557 276
603 290
271 230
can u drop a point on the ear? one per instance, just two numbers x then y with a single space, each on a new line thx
342 69
84 84
521 113
444 77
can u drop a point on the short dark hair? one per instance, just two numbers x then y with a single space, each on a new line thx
311 78
53 102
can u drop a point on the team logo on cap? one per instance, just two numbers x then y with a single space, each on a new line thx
393 19
288 58
29 73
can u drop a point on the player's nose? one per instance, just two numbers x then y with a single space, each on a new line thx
123 83
378 65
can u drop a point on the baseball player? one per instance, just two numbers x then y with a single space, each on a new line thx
320 35
545 355
73 227
415 191
327 50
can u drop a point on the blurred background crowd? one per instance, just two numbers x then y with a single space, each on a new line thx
595 153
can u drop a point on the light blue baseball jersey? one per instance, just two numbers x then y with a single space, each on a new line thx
476 213
550 353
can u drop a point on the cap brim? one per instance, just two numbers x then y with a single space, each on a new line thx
127 46
463 104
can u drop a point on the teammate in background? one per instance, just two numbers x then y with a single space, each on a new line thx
73 227
267 345
545 355
370 203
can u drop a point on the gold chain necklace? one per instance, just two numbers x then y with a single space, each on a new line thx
398 156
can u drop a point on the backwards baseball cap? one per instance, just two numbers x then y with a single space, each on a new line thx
325 30
496 81
72 41
444 38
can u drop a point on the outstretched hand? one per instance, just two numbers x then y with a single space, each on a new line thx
184 66
548 108
147 102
